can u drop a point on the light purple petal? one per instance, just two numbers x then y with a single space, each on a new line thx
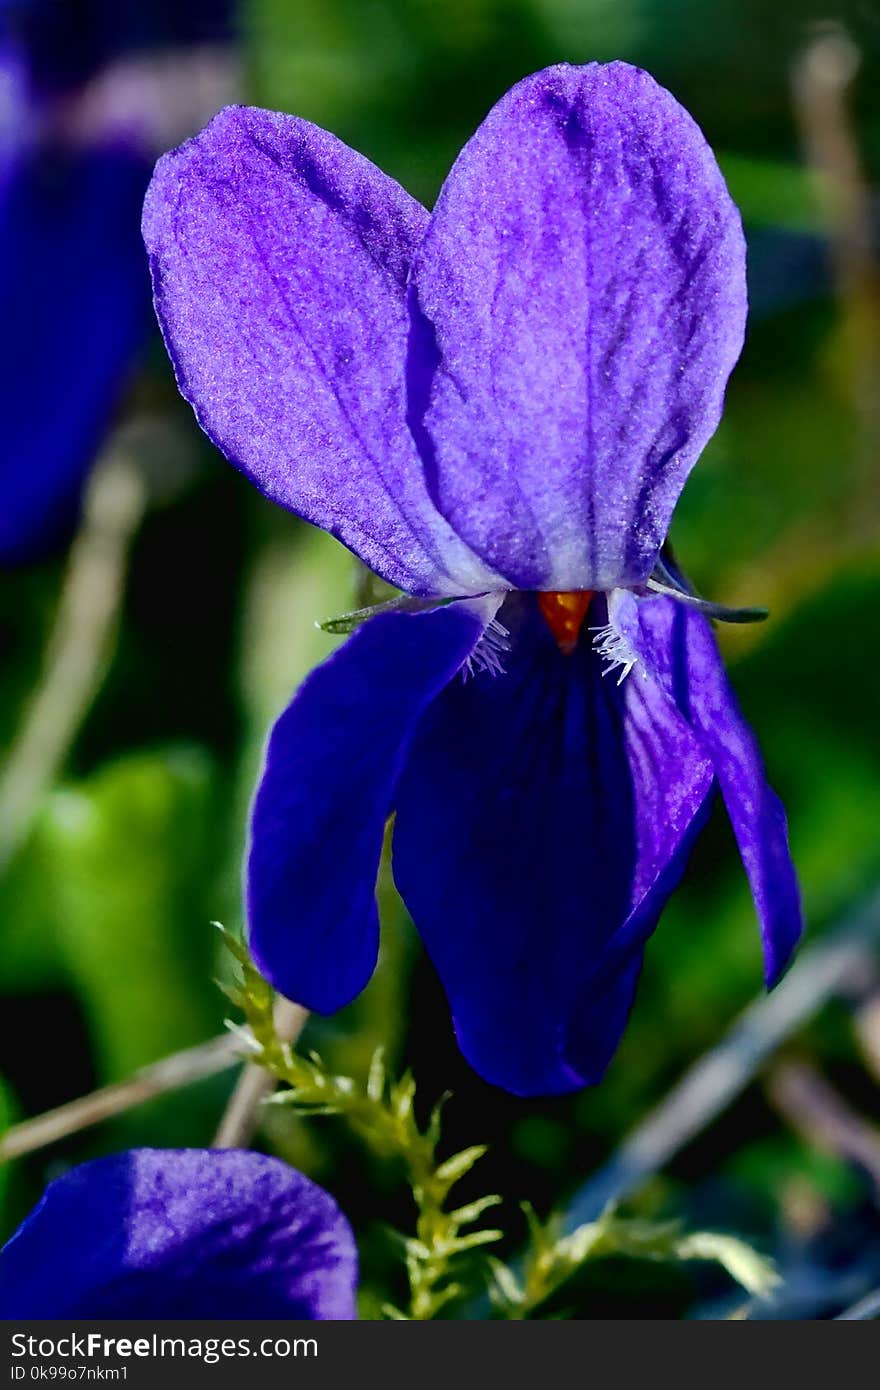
679 647
279 260
188 1233
578 303
327 790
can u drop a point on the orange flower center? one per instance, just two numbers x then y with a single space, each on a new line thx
564 615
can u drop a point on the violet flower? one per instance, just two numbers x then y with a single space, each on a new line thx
89 95
189 1233
495 406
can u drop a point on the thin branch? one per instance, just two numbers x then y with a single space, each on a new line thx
865 1310
182 1068
80 644
716 1080
821 1116
866 1021
256 1084
815 547
822 78
831 966
821 86
808 1290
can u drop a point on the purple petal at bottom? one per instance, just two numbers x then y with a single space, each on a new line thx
188 1233
678 645
543 818
327 790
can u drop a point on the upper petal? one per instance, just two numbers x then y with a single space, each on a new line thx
543 815
327 790
279 260
578 303
185 1233
679 646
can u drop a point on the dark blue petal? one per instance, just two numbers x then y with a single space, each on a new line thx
328 787
74 296
543 817
679 646
185 1233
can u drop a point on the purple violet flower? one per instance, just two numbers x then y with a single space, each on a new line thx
188 1233
495 406
89 95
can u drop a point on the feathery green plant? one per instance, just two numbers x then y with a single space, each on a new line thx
381 1111
554 1257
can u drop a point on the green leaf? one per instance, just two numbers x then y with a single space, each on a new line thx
376 1076
31 959
350 622
506 1288
402 1096
459 1164
770 193
463 1216
553 1258
474 1239
131 853
754 1272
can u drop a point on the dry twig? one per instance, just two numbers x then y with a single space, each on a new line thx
256 1084
80 645
182 1068
822 1117
714 1082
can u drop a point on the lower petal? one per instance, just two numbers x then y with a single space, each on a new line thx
188 1233
327 789
678 645
543 817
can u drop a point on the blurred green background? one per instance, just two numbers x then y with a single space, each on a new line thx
106 955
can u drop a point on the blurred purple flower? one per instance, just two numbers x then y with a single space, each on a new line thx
496 407
89 95
189 1233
